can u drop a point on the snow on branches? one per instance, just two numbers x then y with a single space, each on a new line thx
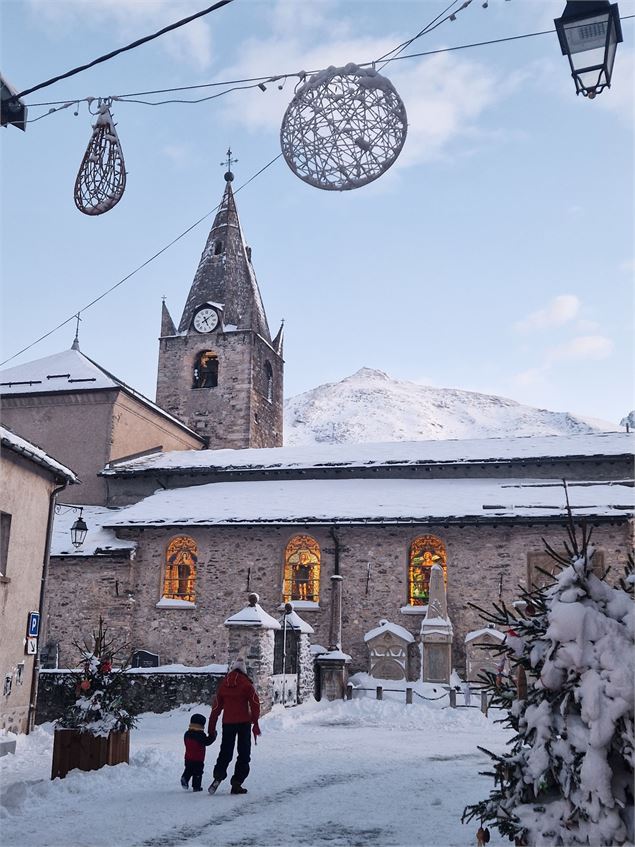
568 778
97 693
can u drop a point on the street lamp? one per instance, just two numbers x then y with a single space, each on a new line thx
589 32
79 528
78 531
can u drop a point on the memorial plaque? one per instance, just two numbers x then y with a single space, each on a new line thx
144 659
437 657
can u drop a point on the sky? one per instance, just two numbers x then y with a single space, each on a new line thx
496 255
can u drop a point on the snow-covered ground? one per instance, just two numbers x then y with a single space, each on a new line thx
348 773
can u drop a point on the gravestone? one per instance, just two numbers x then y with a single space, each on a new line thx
144 659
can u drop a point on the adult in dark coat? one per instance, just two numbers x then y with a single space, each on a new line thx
237 699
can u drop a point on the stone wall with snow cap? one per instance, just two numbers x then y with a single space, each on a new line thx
251 636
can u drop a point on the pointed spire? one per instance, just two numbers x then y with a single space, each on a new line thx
167 324
225 275
278 341
75 344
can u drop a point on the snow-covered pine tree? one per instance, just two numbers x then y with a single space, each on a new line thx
98 702
568 778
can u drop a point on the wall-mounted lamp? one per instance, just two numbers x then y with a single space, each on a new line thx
79 528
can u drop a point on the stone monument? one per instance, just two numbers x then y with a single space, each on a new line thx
388 650
436 632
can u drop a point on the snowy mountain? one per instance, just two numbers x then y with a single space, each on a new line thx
372 406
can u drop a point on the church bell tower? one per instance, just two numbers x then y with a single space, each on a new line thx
221 372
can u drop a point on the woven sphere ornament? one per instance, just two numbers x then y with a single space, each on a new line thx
101 180
344 128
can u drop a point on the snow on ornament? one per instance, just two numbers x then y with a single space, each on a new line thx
344 128
101 180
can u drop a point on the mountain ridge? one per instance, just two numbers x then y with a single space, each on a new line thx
371 406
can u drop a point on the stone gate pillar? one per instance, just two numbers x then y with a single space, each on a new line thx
250 635
333 665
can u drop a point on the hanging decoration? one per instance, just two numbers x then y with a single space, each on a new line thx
101 180
344 128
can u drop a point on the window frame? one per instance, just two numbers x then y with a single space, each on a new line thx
295 545
440 557
171 588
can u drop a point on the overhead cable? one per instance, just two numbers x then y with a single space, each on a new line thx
245 83
134 44
137 269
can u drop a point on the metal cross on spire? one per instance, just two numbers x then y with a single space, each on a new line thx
75 345
228 164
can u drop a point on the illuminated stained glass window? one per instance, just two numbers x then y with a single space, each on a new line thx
180 569
205 373
302 569
425 551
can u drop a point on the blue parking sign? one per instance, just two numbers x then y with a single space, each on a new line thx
33 629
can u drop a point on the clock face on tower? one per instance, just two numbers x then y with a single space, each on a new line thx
205 319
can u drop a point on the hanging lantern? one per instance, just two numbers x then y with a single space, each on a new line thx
344 128
78 532
589 32
101 180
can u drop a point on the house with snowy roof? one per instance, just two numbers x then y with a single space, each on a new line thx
86 416
31 479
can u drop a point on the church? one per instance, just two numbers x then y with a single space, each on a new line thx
199 503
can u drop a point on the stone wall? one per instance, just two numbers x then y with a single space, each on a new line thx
266 413
481 559
223 414
80 589
148 692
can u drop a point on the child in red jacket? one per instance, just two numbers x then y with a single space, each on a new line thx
195 741
236 698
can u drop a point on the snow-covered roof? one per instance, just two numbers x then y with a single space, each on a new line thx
451 451
364 500
98 538
296 622
70 370
253 616
10 441
387 626
480 633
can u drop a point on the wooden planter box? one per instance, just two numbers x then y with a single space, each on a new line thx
75 749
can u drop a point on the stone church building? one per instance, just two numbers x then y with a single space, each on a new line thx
180 535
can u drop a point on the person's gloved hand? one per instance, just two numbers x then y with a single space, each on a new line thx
256 732
213 735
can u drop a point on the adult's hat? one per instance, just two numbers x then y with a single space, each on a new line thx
239 665
198 719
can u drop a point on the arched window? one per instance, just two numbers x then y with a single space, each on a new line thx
181 559
218 247
269 377
425 551
302 569
205 372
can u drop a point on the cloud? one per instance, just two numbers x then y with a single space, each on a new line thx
561 309
530 378
444 94
584 347
132 19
